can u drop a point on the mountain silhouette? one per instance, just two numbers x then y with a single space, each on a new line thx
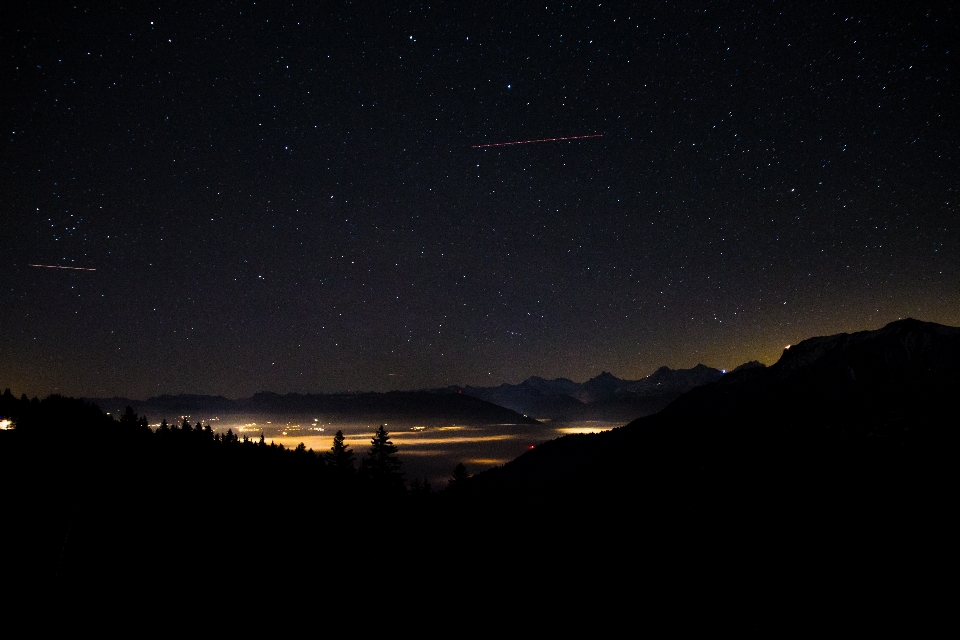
846 427
866 381
603 397
837 460
420 407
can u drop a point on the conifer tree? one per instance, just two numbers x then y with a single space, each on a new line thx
420 488
459 477
382 466
130 421
129 418
340 456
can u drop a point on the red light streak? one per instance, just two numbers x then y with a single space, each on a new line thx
507 144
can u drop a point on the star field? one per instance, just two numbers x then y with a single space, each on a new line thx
286 197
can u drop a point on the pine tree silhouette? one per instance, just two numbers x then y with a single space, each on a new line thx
340 456
382 467
459 477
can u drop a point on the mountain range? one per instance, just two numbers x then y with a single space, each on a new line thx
396 407
604 397
840 426
836 463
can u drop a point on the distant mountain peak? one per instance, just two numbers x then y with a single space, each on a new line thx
606 382
542 385
604 376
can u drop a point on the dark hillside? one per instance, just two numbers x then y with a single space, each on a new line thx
847 428
845 448
94 500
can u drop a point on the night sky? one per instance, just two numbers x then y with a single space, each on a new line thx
285 197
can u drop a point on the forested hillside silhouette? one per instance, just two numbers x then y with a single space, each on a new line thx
90 495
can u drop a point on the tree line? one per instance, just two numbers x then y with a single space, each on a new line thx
65 420
93 494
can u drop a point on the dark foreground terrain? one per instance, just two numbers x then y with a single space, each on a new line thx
839 459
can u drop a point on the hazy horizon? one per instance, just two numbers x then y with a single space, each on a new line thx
485 383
